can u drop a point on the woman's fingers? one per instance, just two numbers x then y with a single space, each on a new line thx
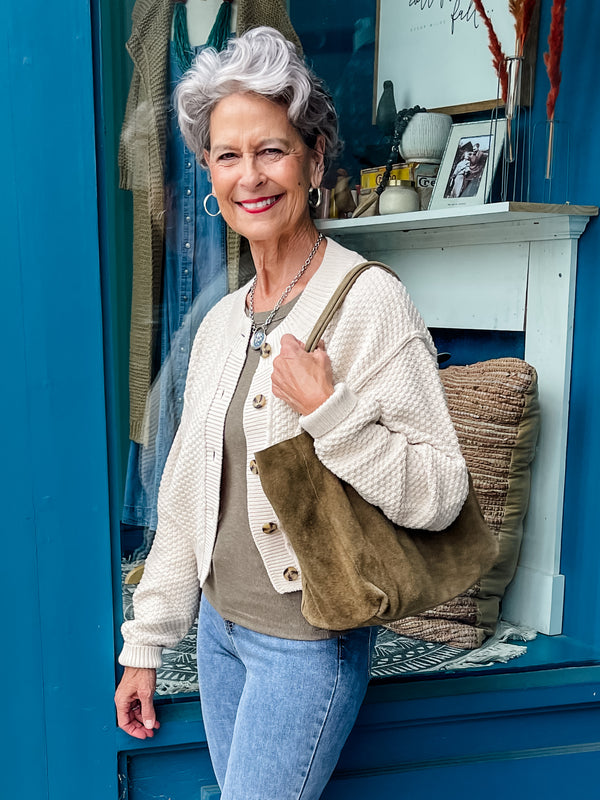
127 717
147 712
290 346
303 380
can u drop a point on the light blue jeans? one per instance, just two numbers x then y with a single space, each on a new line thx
277 711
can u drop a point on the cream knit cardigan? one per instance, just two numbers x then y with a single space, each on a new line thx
385 430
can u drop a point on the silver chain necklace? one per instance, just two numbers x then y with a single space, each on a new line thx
259 332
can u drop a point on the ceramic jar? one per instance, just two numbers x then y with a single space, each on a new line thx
398 197
425 137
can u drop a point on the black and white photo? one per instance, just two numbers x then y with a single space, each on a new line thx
468 164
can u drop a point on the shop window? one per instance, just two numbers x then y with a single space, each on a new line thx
197 262
174 280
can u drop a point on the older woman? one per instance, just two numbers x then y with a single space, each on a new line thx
279 696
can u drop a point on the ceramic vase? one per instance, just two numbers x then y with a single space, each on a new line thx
398 197
425 137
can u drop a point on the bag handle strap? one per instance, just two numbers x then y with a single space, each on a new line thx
337 299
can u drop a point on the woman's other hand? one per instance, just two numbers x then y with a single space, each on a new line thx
303 380
133 699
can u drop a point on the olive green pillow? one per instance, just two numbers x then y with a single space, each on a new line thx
495 410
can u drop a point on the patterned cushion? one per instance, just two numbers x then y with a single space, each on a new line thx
495 410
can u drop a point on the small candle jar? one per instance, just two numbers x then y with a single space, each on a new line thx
398 197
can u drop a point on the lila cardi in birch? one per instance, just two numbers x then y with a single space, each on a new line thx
385 430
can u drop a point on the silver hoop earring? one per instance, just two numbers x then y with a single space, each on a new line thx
210 214
314 200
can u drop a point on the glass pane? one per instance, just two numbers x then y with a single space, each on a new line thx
174 259
183 260
339 42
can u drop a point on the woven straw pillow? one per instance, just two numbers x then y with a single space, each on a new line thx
494 407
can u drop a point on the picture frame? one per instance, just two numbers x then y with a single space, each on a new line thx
437 54
469 163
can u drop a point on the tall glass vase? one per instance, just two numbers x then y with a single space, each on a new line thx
515 110
551 173
514 71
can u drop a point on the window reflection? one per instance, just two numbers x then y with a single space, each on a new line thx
184 258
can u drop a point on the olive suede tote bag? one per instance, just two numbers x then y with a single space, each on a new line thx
358 568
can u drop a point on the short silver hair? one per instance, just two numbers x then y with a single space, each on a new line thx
263 62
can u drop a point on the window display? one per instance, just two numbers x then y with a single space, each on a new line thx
185 258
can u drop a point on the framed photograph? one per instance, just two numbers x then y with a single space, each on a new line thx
469 164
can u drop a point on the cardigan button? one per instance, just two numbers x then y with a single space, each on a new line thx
260 401
291 574
265 350
270 527
253 466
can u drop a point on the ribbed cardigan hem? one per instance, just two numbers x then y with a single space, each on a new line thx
330 413
142 656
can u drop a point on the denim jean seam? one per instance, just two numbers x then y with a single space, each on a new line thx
229 632
317 741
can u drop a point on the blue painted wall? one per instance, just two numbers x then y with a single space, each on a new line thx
58 735
538 728
22 645
579 105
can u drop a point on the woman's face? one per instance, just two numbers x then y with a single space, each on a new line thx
261 169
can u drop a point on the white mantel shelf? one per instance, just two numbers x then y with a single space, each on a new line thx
490 223
500 266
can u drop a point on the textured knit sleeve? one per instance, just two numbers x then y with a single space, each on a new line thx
166 601
386 429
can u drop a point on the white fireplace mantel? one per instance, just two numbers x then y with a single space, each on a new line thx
511 267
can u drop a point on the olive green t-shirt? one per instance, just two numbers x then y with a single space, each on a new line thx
238 586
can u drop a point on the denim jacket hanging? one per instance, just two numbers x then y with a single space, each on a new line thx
194 279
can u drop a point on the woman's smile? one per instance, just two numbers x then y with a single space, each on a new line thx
259 205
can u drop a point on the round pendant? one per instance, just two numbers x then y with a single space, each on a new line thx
258 338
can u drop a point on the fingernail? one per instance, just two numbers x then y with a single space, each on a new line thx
148 723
